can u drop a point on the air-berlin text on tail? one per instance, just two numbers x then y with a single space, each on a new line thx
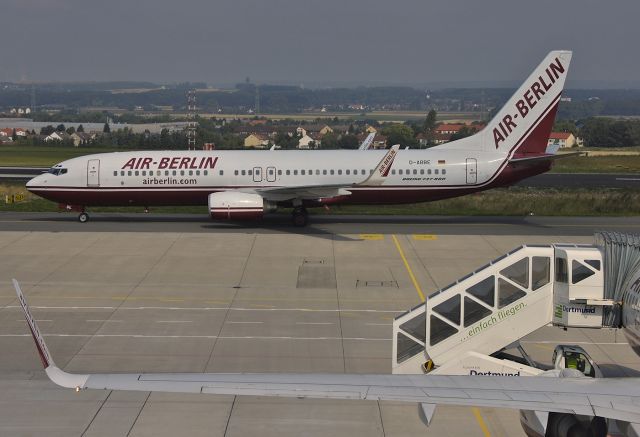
529 99
174 163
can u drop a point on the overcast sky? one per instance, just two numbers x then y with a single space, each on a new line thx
316 41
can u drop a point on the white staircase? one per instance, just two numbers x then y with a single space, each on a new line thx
496 305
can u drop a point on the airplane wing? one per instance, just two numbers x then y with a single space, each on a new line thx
615 398
376 177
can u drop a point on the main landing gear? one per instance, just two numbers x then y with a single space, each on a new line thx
300 217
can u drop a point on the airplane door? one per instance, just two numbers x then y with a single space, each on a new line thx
257 174
472 171
271 174
93 173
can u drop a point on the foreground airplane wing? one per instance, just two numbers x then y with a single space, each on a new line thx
615 398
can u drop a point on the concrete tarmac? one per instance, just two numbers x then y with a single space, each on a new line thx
321 226
232 301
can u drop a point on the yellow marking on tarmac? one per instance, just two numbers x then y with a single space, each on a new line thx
483 426
371 236
425 237
476 411
408 267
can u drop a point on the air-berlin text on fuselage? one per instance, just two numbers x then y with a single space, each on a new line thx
529 99
175 163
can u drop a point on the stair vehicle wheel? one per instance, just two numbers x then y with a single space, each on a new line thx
83 217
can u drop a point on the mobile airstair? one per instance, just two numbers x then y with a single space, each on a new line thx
462 328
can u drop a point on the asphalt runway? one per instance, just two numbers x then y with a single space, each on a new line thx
321 226
237 302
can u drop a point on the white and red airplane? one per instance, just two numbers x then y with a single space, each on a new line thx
246 184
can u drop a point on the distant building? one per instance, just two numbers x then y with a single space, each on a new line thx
81 138
57 136
256 141
448 129
310 141
563 139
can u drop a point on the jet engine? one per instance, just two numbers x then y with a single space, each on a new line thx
235 205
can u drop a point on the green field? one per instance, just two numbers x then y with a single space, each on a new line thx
597 164
515 201
31 156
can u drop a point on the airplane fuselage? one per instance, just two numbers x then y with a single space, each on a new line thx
151 178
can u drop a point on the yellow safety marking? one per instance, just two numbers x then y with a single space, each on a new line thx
371 236
408 267
483 425
425 237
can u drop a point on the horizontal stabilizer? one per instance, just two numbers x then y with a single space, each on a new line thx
545 157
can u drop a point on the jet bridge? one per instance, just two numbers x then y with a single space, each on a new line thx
462 328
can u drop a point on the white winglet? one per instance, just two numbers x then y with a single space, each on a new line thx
54 373
382 169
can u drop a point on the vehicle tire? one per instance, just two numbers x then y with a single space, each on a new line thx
83 217
300 218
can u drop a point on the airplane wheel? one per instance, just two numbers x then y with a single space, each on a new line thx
300 218
83 217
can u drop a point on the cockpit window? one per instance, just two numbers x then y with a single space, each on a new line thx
57 171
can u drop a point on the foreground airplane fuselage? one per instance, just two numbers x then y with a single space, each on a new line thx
246 184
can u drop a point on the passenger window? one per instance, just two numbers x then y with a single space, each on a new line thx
129 173
279 172
288 172
175 173
115 173
317 172
363 172
429 171
400 171
243 172
508 293
331 171
206 172
540 271
393 172
439 330
144 172
422 171
561 270
484 291
181 172
347 172
417 327
339 172
518 272
450 309
250 172
415 171
302 172
137 173
190 172
166 172
324 172
295 172
122 173
444 171
474 312
198 172
150 172
355 172
580 272
310 172
436 171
